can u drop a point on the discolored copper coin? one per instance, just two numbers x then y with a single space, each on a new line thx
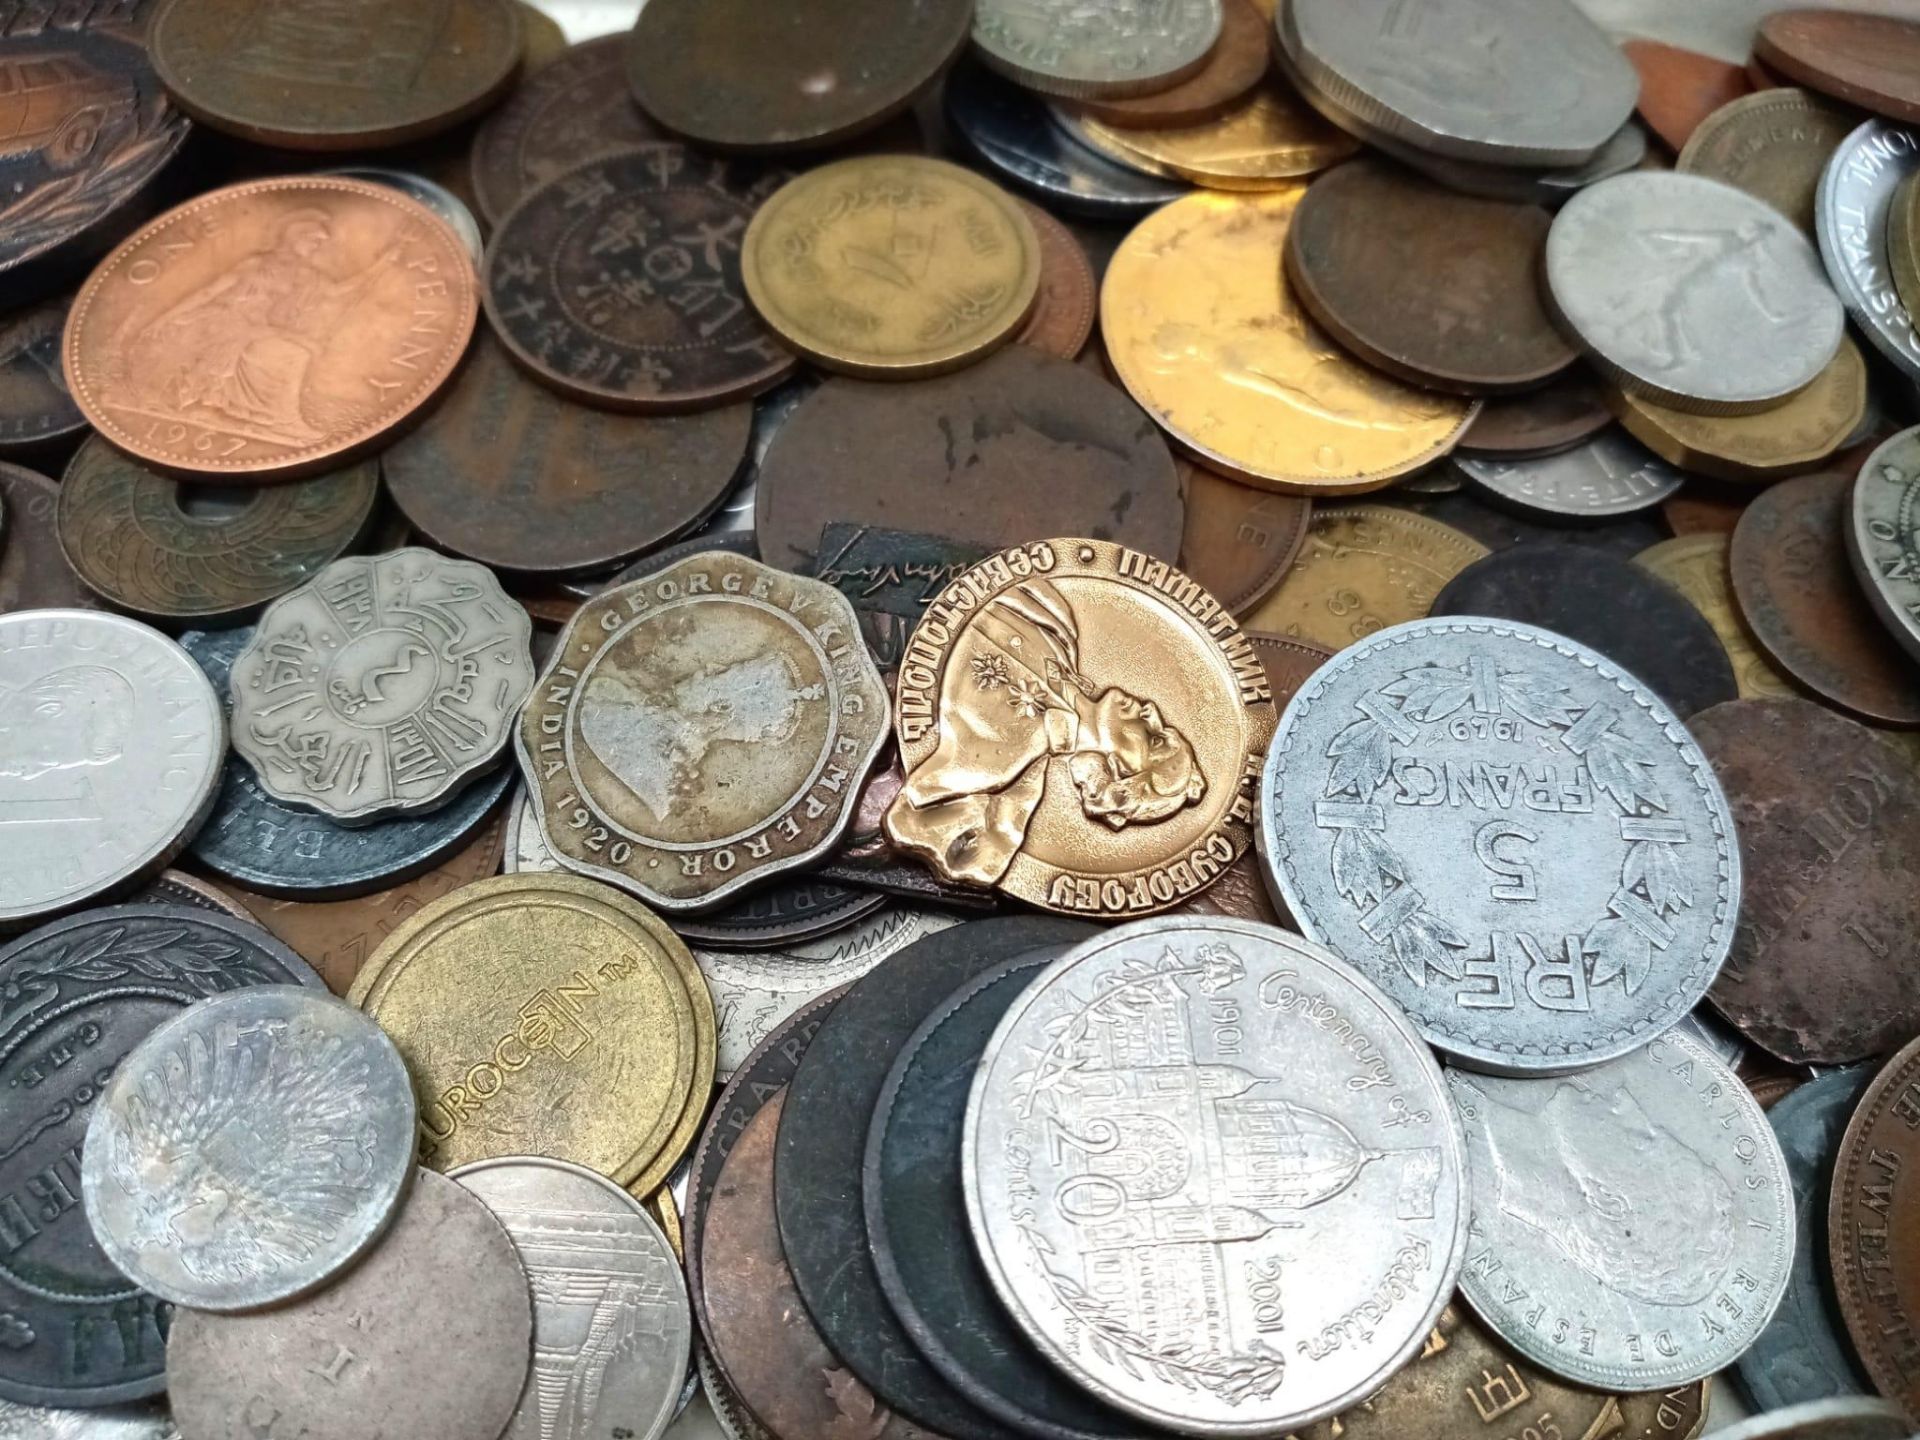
1680 88
153 547
618 282
1799 597
746 75
1019 445
1563 413
1239 541
33 573
1237 62
1872 61
1063 311
512 475
1241 893
343 75
36 412
1288 661
1434 287
177 887
1698 511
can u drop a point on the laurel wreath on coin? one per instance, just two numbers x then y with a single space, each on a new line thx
175 955
45 213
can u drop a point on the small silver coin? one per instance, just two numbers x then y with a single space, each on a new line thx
382 686
1510 835
437 198
1215 1176
526 850
1632 1224
111 742
1857 1417
1119 47
1692 292
109 1422
611 1324
1606 477
1884 536
1850 218
249 1149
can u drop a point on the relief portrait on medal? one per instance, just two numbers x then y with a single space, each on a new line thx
53 731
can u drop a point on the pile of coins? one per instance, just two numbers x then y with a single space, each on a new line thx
967 719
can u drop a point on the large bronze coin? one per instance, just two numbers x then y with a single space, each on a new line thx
33 573
1239 541
1872 61
745 75
1434 287
1556 417
1018 446
1800 598
618 282
1680 88
36 412
343 75
512 475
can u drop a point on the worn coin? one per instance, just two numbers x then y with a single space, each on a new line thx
1498 527
1697 565
1405 822
730 1412
611 1327
444 204
1903 244
1128 47
1871 61
1883 535
170 552
1239 542
177 887
1266 139
1557 416
1854 1418
1236 64
99 981
1701 512
432 1333
1774 145
34 575
1062 318
1850 212
112 1422
36 412
1680 88
1601 479
249 1150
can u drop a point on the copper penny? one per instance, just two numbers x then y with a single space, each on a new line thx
33 573
1821 970
1018 446
1432 286
1771 1089
1799 597
1680 88
344 75
1563 413
36 412
271 329
1872 61
1237 62
577 108
177 887
1069 297
618 282
1699 511
1239 541
1288 661
510 474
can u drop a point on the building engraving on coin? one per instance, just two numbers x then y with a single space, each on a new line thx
381 686
715 667
1509 834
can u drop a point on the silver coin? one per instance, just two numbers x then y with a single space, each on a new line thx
1632 1224
437 198
754 990
1119 47
1506 832
110 1422
111 742
1692 292
1610 475
1215 1176
249 1149
382 686
736 1422
525 850
428 1338
1714 1033
611 1325
1855 1418
1451 76
1850 218
1884 536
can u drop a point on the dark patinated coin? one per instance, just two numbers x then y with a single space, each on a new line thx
1822 967
1019 445
1872 61
33 575
36 412
1629 615
154 547
346 75
822 1145
1558 416
176 887
618 282
1624 536
787 912
508 473
1433 286
85 990
1800 598
1238 541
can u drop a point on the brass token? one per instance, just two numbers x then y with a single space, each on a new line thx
1697 566
892 266
1203 332
1903 243
1261 143
1020 663
1774 144
1363 568
547 1015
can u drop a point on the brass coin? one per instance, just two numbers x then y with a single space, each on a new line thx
1239 541
892 266
1237 62
1363 568
1022 661
1903 243
1698 567
547 1015
1261 143
1774 144
1202 330
545 40
1062 318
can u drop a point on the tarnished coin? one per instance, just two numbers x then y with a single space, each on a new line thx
611 1327
110 747
715 667
1773 144
36 412
1601 479
1510 835
34 575
432 1334
1633 1225
1063 312
1239 542
1850 213
347 77
1703 512
1680 88
1697 565
1858 1418
891 266
1145 1249
1691 292
102 981
1871 61
1129 47
250 1149
618 282
1264 140
1236 64
270 329
1883 535
112 1422
437 198
177 887
730 1412
1498 527
150 545
1557 416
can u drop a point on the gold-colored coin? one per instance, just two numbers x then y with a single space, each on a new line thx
1769 445
1773 144
666 1214
1082 727
1363 568
892 266
1696 566
547 1015
1201 329
1267 139
1903 244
